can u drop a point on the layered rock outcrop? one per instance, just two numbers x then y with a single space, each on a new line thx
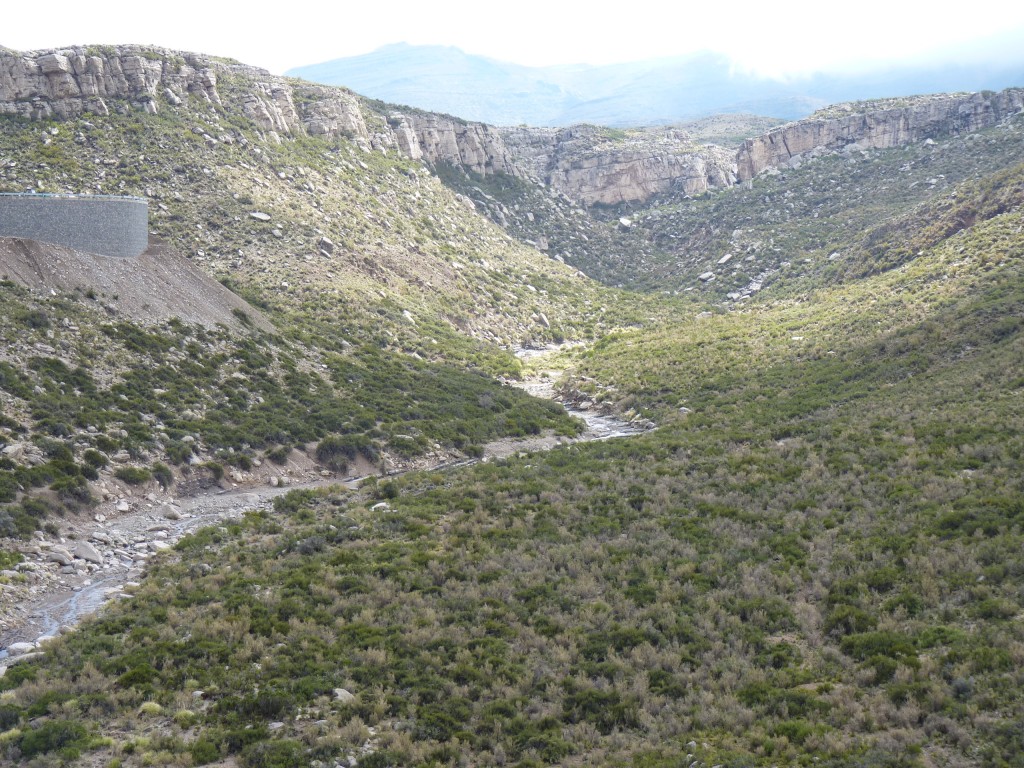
68 83
436 139
877 125
594 167
590 165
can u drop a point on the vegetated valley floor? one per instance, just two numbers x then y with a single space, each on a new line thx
815 560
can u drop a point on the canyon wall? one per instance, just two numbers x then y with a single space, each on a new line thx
877 125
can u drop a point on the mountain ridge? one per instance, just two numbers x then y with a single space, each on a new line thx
655 92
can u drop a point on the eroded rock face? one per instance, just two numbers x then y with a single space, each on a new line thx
582 163
67 83
441 139
881 125
327 111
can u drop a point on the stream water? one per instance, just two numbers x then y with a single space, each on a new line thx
62 608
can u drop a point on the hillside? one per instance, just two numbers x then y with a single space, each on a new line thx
813 560
361 269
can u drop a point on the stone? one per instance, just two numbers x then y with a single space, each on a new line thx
123 506
345 697
260 215
169 512
14 451
31 656
18 649
86 551
59 555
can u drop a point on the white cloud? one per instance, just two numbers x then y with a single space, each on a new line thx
768 37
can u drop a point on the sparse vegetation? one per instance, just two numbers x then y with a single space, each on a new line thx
814 560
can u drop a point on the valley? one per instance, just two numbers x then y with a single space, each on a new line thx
814 559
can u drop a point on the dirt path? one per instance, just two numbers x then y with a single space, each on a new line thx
95 560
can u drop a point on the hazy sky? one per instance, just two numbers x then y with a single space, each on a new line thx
773 38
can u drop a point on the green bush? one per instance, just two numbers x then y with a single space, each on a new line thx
68 736
283 753
336 451
204 751
133 475
162 474
94 458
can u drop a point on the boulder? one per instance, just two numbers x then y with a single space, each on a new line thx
59 555
18 649
86 551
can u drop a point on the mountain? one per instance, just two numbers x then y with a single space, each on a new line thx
654 92
814 559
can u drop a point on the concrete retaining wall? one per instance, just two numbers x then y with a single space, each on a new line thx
101 224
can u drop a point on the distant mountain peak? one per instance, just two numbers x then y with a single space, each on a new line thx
659 91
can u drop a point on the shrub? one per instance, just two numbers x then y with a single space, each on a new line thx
336 451
284 753
65 735
204 751
279 455
133 475
163 474
94 458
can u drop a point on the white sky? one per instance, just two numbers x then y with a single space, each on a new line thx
794 36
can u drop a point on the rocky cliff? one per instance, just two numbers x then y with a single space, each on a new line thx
876 125
590 165
66 83
595 165
441 139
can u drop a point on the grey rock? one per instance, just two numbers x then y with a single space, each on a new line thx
881 127
169 512
59 555
25 657
86 551
19 649
345 697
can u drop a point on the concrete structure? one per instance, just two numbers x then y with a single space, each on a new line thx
102 224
